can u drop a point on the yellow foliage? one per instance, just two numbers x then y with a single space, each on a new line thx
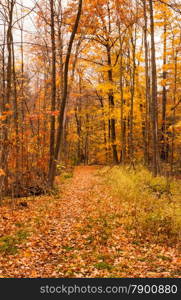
2 173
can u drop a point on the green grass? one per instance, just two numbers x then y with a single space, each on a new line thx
103 266
67 248
67 175
150 205
9 244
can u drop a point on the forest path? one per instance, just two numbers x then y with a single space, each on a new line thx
78 233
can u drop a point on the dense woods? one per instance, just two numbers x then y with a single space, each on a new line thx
105 90
90 82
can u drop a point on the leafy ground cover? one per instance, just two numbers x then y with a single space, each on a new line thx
92 228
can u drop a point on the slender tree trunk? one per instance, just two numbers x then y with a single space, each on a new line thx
174 111
164 142
79 129
122 156
53 92
111 104
64 97
16 114
133 73
86 153
60 51
104 125
147 86
78 118
5 150
154 106
22 99
3 108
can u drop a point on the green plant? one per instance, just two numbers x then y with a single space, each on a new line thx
150 205
21 235
9 244
103 266
67 175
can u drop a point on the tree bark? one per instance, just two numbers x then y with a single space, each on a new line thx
147 87
53 91
164 140
5 150
154 106
111 104
64 97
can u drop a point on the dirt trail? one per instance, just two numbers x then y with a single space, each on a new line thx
80 234
52 223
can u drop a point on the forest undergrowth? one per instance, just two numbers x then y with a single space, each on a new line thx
100 222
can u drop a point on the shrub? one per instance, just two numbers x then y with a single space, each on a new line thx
151 205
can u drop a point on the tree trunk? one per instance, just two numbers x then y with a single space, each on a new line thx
154 106
133 73
64 97
147 86
164 140
111 104
5 150
53 92
174 111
